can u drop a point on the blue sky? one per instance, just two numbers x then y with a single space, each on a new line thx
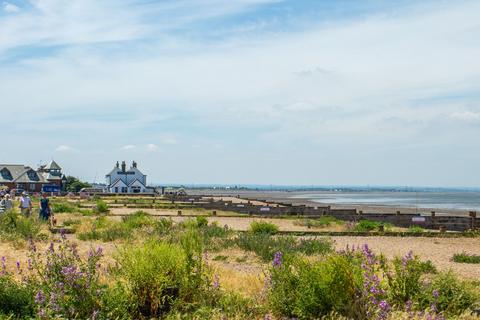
245 91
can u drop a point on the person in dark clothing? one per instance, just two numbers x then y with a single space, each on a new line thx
45 210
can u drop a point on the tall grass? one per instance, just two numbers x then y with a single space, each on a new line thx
15 226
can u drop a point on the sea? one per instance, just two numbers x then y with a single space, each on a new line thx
456 200
394 196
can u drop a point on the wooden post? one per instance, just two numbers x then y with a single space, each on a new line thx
179 212
214 212
443 229
473 219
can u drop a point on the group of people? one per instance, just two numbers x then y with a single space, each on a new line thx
25 205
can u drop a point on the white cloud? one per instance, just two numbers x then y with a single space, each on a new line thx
10 7
152 147
466 116
128 147
365 84
65 148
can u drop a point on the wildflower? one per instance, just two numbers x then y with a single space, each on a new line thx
408 257
277 259
216 282
40 297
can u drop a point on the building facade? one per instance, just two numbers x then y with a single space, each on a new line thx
121 180
47 178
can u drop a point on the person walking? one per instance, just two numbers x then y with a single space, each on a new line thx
6 203
45 210
25 204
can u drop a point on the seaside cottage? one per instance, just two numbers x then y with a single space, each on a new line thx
121 180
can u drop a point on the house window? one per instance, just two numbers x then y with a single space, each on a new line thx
116 189
32 186
124 189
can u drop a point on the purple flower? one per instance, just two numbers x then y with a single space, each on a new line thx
216 282
277 259
436 294
40 297
408 257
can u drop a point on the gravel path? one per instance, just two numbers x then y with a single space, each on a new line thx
439 250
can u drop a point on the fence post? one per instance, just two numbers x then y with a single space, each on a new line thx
473 219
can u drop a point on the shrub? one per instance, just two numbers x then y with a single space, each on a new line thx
105 230
66 285
154 274
101 206
163 225
263 227
15 298
449 294
138 219
201 221
63 207
369 225
466 258
404 281
16 226
265 246
416 229
311 290
322 222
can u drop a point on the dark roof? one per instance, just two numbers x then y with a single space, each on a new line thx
19 173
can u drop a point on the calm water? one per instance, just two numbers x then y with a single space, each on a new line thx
440 200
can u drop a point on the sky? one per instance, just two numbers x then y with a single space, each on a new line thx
302 92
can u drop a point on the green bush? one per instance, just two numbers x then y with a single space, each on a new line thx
369 225
416 229
263 227
312 290
15 298
106 230
63 207
163 225
201 221
265 245
16 226
138 219
322 222
466 258
404 280
454 295
155 275
101 206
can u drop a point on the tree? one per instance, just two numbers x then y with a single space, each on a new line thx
75 185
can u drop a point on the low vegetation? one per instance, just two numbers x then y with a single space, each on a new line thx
166 270
365 225
322 222
466 258
261 227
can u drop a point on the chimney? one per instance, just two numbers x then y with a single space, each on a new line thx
124 166
118 165
134 164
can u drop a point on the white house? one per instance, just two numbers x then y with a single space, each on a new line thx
121 180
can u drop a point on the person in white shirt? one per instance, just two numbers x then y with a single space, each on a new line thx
6 204
25 204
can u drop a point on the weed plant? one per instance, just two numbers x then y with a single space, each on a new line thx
466 258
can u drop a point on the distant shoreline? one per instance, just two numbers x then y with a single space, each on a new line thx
295 197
